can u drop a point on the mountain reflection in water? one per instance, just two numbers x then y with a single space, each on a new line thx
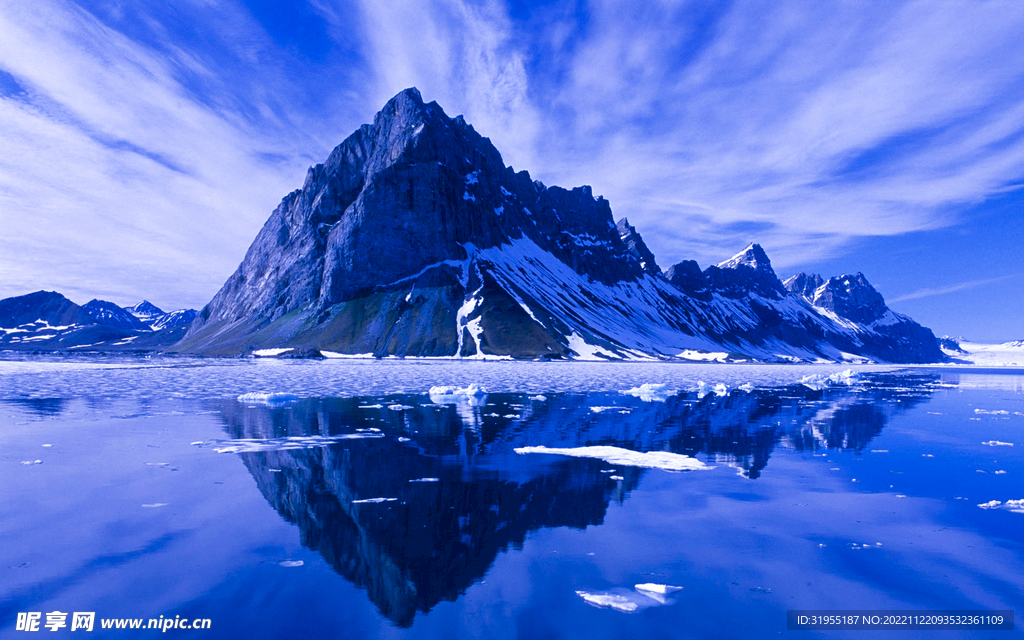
439 537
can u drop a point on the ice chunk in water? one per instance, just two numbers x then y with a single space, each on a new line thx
399 407
615 601
291 563
704 389
625 457
426 480
997 443
819 382
471 391
155 505
374 500
271 399
663 589
31 462
991 504
651 392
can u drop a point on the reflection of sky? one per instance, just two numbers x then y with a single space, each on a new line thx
745 550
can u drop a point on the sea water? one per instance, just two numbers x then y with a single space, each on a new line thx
552 500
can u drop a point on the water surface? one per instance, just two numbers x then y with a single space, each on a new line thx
162 494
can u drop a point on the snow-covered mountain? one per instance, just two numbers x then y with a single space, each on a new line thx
157 319
415 239
47 321
146 311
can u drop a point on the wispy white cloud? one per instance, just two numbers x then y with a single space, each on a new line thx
938 291
117 179
840 120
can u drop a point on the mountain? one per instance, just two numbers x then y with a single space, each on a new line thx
146 311
48 321
46 307
110 314
414 239
635 245
171 319
157 319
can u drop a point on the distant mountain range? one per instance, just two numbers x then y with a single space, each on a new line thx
415 239
47 321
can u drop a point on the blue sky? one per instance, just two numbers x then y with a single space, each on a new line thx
144 144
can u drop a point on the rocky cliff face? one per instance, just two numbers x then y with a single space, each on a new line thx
414 239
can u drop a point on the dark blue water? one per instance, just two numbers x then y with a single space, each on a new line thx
169 497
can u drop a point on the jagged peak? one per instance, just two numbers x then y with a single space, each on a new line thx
803 284
752 256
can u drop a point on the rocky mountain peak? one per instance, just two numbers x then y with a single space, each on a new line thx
749 271
851 297
752 256
688 278
804 285
636 246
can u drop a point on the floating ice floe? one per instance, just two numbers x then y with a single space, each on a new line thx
644 596
651 392
603 409
474 394
663 589
404 439
154 505
473 390
998 412
1016 506
271 399
616 478
426 480
47 445
371 406
539 398
374 500
818 382
624 457
291 563
284 444
31 462
704 389
997 443
399 407
623 603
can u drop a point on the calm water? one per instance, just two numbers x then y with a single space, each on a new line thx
161 494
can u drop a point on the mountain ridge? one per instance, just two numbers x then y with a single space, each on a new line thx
414 239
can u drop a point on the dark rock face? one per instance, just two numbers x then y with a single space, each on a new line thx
108 313
414 239
397 209
688 278
636 246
